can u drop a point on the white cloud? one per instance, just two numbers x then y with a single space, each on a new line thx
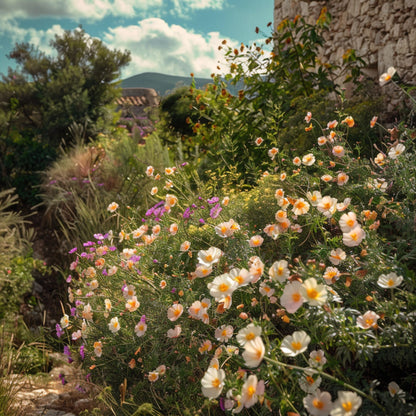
39 38
98 9
76 9
157 46
183 8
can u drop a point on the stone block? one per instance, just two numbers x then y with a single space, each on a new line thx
396 30
412 40
354 8
402 47
304 9
385 11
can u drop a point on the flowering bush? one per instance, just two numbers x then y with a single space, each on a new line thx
284 298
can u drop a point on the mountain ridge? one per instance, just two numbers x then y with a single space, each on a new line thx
164 84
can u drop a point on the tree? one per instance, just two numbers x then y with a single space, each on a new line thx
76 85
45 95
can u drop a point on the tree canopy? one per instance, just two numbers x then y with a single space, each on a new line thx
76 83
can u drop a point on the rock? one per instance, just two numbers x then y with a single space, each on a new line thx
84 404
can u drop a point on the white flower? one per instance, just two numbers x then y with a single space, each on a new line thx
242 277
213 383
387 76
250 391
295 344
354 237
396 151
300 207
254 352
64 321
309 384
222 286
249 333
140 328
314 293
292 298
368 320
308 160
114 325
318 404
337 256
317 358
175 311
394 389
112 207
279 271
327 205
210 256
347 404
347 222
175 332
389 281
224 333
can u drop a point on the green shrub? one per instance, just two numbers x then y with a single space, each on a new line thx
353 300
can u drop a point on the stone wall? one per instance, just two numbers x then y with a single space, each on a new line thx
383 32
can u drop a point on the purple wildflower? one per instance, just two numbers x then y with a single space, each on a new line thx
213 200
82 351
69 278
73 250
59 330
62 378
215 211
67 352
201 221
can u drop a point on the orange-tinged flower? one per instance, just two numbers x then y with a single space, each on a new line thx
338 151
349 121
300 207
258 141
112 207
273 152
387 76
175 311
308 116
309 128
373 121
332 124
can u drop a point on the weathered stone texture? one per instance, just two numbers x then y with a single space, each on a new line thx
383 33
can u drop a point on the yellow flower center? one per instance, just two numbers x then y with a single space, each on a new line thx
208 257
296 345
369 321
239 279
310 380
317 404
223 287
216 382
390 283
250 336
250 391
350 222
347 406
312 293
177 312
296 297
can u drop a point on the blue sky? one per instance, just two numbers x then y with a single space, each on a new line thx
168 36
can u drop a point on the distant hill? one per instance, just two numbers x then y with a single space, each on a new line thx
164 84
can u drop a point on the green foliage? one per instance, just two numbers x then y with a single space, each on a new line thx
225 127
45 95
127 283
77 187
76 85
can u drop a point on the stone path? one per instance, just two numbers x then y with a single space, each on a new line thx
50 397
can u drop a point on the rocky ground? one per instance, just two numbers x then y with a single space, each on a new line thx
50 396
